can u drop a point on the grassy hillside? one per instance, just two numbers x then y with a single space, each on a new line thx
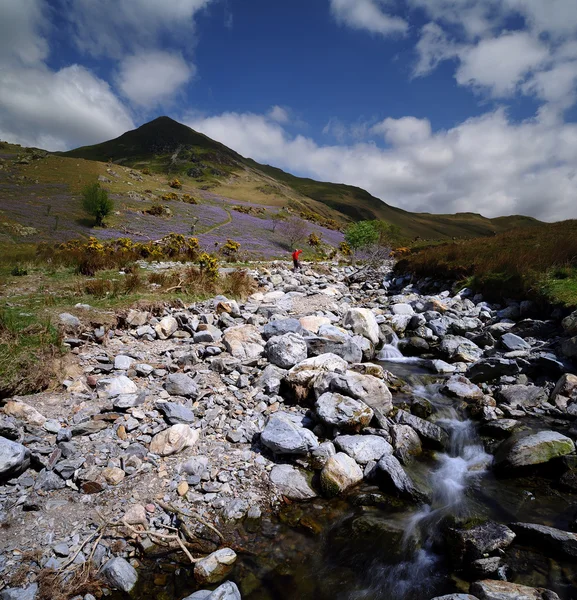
165 146
538 261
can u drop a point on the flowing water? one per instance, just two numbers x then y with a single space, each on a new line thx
371 546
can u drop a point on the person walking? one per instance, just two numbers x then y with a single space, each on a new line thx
296 262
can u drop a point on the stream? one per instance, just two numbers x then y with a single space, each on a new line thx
371 546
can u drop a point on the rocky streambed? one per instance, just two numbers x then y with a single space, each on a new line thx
337 435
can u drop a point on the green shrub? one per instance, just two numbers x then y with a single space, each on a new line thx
96 203
18 271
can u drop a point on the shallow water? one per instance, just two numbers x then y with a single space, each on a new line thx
343 549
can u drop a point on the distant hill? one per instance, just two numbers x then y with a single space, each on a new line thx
165 146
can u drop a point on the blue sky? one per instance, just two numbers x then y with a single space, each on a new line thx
431 105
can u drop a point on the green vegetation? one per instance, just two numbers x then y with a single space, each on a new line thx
96 203
362 234
536 262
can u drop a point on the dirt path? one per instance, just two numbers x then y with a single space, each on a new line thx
211 229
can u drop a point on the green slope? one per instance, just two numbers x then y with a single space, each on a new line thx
166 146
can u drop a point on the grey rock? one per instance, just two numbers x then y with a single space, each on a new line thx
513 342
340 473
69 320
48 481
476 542
215 567
431 435
270 379
522 396
292 482
123 363
235 510
176 413
284 434
282 326
116 386
285 351
363 448
492 368
491 589
392 477
363 322
460 349
126 401
27 593
14 459
458 386
556 540
226 591
321 454
180 384
346 348
120 574
345 413
455 597
406 443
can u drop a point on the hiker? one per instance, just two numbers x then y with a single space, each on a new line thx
296 263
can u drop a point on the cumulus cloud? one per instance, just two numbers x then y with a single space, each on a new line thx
368 15
151 78
279 114
486 164
58 110
113 27
21 29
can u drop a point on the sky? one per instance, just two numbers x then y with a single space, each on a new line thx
436 106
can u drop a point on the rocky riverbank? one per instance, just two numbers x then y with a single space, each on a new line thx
183 422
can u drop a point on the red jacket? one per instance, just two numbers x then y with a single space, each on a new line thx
296 254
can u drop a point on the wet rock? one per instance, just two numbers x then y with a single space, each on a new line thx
340 473
166 327
413 346
176 413
431 435
499 428
363 448
14 459
173 440
458 386
467 545
285 351
180 384
215 567
556 540
292 482
347 414
406 443
284 434
120 574
533 449
363 322
392 478
492 368
244 342
490 589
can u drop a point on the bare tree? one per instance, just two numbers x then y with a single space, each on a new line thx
276 219
294 231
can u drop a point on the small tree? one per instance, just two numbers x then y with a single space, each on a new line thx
276 219
369 242
96 202
295 231
362 234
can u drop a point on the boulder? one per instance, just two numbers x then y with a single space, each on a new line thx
120 574
166 327
226 591
431 435
522 396
123 363
14 459
340 473
215 567
173 440
24 412
556 540
455 597
244 342
284 434
406 443
298 382
285 351
292 482
176 413
367 388
363 322
490 369
346 348
69 321
345 413
457 348
534 449
363 448
116 386
270 379
181 384
513 342
458 386
313 323
569 324
566 387
392 478
280 327
492 589
467 545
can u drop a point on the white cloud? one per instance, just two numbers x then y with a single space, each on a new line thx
111 27
58 110
403 131
21 29
368 15
487 164
154 77
279 114
500 64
